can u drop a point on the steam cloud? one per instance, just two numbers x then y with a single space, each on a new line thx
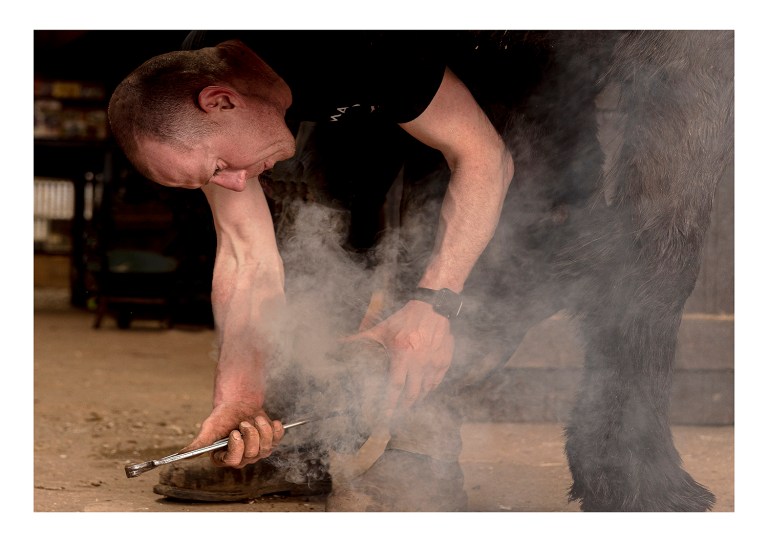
567 240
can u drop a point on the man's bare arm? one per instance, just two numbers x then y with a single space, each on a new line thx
247 293
247 288
418 339
481 170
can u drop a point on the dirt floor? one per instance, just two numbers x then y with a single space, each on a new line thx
107 398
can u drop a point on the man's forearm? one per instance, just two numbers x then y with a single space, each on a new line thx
242 306
468 219
481 170
247 290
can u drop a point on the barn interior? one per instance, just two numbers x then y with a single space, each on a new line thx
123 328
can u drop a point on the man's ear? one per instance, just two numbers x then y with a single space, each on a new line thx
218 98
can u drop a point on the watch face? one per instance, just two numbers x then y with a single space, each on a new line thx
450 303
444 302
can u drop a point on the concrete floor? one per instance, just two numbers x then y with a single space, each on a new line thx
107 398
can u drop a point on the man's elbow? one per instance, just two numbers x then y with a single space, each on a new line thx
500 163
495 162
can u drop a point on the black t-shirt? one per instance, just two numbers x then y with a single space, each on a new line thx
339 76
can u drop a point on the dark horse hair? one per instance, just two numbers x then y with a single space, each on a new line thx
613 241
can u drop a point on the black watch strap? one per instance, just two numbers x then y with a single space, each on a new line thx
445 302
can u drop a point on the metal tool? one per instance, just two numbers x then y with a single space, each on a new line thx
132 471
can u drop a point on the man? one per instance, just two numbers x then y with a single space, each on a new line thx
231 128
619 248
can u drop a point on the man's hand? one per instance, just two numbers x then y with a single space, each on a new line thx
252 435
420 347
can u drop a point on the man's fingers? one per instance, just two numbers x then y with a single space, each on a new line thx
278 431
413 388
233 455
264 428
409 384
251 440
433 380
397 378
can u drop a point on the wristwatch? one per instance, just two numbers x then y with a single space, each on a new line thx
444 302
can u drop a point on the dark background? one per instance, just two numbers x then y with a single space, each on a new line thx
99 55
130 213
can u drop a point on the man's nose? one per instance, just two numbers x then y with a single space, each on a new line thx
231 179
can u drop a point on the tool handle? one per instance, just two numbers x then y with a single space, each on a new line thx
215 446
137 469
192 453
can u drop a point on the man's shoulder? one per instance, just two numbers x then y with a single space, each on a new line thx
337 75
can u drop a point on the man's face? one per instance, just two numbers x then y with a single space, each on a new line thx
246 143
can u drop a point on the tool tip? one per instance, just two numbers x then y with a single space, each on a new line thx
132 471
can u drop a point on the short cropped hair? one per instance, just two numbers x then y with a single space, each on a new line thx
158 100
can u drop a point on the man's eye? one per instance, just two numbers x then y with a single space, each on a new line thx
216 171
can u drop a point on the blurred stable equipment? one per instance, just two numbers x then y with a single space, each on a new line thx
155 263
134 279
122 245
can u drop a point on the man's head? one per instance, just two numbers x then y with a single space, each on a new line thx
212 115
